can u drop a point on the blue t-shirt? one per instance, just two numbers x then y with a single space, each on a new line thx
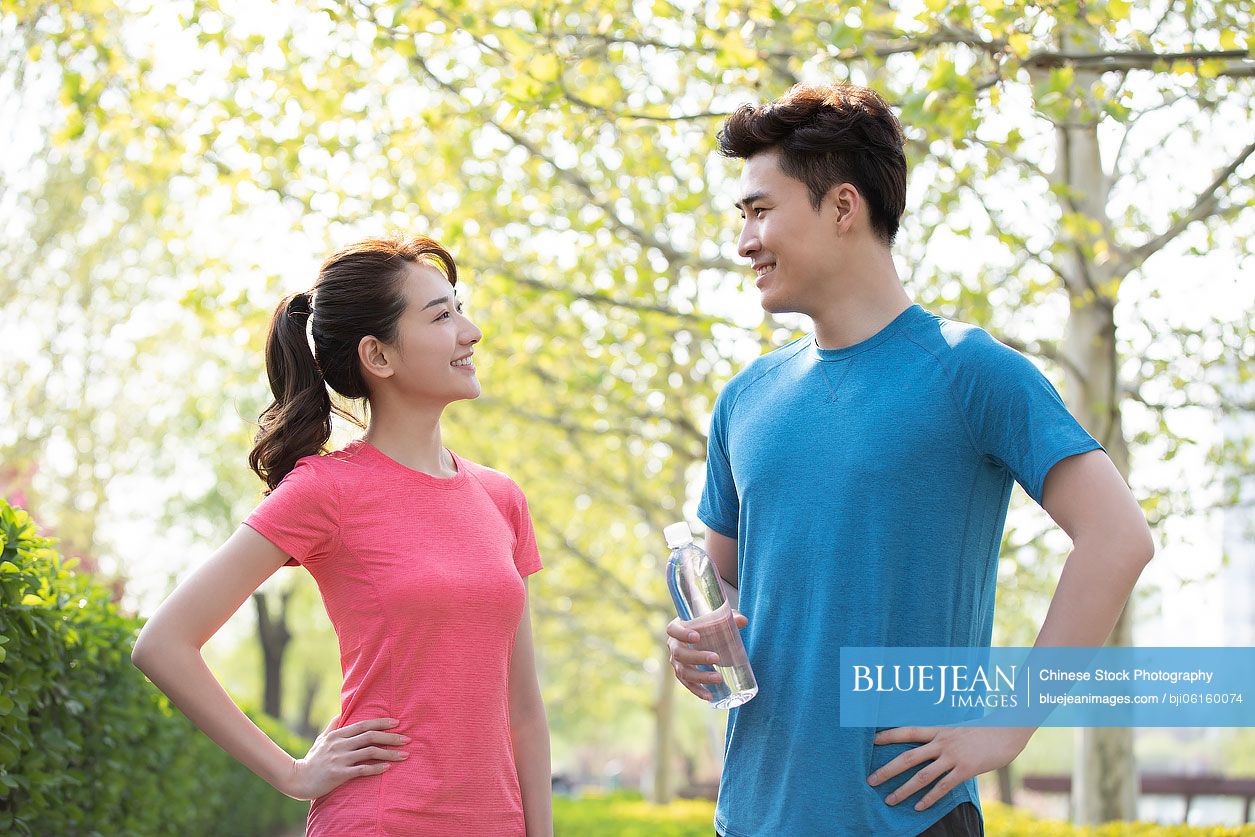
867 488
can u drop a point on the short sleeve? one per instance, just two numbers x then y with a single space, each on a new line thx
720 506
301 515
526 554
1015 414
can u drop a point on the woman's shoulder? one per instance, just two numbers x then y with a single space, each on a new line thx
327 468
492 479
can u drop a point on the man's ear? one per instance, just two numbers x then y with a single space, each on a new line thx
844 202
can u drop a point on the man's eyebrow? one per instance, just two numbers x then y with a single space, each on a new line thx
749 199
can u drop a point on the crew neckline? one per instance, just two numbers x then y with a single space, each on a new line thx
908 315
374 454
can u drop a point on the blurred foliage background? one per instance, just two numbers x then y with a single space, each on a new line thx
1080 186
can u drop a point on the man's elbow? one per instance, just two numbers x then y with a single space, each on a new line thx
1148 550
1139 544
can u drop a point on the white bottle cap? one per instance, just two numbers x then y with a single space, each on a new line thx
678 534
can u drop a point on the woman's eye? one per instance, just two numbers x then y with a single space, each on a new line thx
442 316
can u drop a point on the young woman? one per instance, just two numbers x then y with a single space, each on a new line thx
420 556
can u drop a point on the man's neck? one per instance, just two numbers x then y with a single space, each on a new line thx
861 307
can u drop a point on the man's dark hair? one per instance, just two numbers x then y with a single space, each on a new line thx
827 135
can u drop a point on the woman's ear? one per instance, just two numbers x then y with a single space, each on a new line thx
374 357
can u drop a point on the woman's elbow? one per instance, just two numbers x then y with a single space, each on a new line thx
140 654
528 713
149 647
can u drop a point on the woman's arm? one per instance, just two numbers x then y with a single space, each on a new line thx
168 650
529 732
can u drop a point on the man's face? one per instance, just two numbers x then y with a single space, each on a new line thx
791 246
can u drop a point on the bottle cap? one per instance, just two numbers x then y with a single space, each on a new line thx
678 534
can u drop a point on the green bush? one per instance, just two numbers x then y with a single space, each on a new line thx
627 815
1005 821
87 744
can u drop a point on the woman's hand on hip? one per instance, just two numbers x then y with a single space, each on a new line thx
338 755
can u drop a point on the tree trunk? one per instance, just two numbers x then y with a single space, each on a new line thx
274 636
1104 785
305 724
1105 776
664 706
664 716
1006 789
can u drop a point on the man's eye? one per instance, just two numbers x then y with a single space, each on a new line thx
758 211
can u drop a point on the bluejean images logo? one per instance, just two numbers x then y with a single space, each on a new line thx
964 686
1048 686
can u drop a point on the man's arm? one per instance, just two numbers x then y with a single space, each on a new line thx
685 659
722 551
1111 544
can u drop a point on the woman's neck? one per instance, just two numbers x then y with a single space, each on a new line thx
415 443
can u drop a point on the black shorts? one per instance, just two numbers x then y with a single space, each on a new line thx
963 821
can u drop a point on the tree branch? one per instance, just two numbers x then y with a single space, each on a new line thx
1205 205
1116 168
1240 63
1000 150
651 608
612 115
601 298
1134 393
685 426
581 184
575 627
569 176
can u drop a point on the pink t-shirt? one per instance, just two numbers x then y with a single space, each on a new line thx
422 578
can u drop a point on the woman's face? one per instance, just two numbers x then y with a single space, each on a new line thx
430 358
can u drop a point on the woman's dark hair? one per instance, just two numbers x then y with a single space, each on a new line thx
358 293
825 136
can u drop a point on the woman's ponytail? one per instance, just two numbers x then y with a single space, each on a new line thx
298 422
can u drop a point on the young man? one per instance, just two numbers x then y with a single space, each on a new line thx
857 486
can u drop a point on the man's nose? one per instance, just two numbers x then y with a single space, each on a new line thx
748 244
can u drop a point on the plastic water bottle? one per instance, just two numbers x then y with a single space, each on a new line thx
699 601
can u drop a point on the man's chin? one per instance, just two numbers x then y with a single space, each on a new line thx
773 304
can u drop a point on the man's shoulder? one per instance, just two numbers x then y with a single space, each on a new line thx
962 348
762 367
